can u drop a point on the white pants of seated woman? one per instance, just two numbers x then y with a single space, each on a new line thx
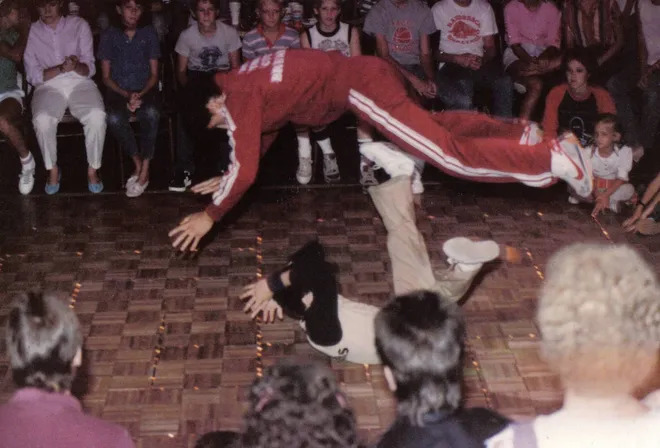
82 97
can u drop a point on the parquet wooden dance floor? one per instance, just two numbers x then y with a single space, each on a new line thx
168 351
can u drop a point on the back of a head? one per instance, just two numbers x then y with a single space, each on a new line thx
599 313
218 439
295 406
43 338
419 336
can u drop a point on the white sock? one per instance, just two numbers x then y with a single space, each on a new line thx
326 147
27 163
304 146
467 267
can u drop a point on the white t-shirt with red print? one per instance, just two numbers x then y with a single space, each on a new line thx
462 29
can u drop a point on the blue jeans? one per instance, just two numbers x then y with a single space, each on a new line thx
642 131
148 115
456 86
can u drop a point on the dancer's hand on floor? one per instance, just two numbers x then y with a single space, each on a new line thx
209 186
257 295
190 230
271 310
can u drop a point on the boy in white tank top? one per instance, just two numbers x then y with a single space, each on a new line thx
329 34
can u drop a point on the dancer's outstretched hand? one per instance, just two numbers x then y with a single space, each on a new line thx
257 295
209 186
190 230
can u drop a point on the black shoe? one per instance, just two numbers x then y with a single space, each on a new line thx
180 182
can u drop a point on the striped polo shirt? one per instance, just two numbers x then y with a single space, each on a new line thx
256 44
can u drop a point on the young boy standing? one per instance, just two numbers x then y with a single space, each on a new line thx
129 63
13 36
202 50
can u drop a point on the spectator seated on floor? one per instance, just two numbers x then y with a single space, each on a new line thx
468 56
533 33
129 62
595 25
599 314
298 406
640 132
14 28
59 63
576 105
203 49
219 439
44 345
611 163
402 29
646 217
419 337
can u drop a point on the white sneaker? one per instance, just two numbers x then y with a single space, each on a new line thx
136 189
304 173
389 157
330 169
573 200
571 164
417 185
532 135
461 250
26 179
131 180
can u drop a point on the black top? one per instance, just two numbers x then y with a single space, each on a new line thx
464 428
579 117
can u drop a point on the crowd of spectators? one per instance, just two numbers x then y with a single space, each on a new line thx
454 54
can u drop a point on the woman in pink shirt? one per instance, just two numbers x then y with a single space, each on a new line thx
59 63
534 38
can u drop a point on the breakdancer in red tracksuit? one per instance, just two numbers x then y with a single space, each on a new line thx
313 88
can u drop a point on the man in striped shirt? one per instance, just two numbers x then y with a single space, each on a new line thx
270 34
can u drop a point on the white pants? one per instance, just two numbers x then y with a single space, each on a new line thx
84 100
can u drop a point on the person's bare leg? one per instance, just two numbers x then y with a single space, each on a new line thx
10 119
137 162
144 172
534 85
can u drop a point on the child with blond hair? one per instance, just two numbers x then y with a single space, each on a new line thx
611 162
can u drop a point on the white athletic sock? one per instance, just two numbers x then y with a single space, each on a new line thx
27 163
304 145
326 147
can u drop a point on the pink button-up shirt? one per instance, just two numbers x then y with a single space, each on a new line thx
33 418
47 47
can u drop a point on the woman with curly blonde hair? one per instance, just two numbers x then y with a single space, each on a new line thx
296 406
599 313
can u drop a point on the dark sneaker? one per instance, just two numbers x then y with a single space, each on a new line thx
180 182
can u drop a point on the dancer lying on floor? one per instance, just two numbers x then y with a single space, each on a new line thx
313 88
339 327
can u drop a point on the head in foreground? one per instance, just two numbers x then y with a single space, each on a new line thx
294 406
44 342
599 313
419 337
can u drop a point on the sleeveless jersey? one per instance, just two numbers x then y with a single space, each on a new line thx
338 40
